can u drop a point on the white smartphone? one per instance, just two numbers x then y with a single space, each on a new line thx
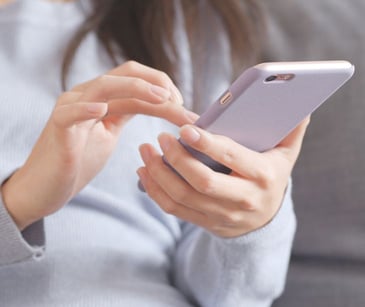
268 101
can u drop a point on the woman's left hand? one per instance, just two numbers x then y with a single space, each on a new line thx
226 205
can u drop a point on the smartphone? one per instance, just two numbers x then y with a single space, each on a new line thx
267 101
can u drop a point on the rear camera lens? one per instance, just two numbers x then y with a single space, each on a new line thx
270 78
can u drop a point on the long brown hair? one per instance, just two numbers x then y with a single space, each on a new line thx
141 29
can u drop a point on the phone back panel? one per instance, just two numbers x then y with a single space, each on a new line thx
259 113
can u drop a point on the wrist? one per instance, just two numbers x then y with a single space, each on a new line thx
14 204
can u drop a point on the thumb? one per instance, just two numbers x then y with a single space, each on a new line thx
71 114
292 143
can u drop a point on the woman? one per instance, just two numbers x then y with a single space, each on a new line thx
205 240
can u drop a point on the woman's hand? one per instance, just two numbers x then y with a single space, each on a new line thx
82 132
226 205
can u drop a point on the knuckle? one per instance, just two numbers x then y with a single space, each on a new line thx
267 177
131 65
100 85
172 158
180 195
228 156
101 82
206 184
165 79
251 202
231 218
169 208
61 115
138 84
206 142
219 148
249 205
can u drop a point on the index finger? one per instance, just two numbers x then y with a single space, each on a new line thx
240 159
171 112
140 71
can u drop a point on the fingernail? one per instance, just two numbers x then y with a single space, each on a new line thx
145 153
161 92
164 141
189 134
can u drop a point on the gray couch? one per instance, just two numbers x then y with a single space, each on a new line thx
328 260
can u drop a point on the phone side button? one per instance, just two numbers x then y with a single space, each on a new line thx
225 98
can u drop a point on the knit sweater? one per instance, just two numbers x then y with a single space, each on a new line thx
111 245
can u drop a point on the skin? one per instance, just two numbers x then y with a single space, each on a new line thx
81 134
83 130
226 205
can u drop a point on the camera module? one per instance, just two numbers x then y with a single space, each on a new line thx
271 78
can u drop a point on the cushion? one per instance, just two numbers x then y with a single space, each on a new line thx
328 260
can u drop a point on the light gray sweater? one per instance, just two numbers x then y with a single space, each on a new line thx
111 245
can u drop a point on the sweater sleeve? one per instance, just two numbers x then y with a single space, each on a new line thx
16 246
246 271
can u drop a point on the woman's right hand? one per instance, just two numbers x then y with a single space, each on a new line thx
81 134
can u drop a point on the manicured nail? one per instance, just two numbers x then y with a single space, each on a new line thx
189 134
161 92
